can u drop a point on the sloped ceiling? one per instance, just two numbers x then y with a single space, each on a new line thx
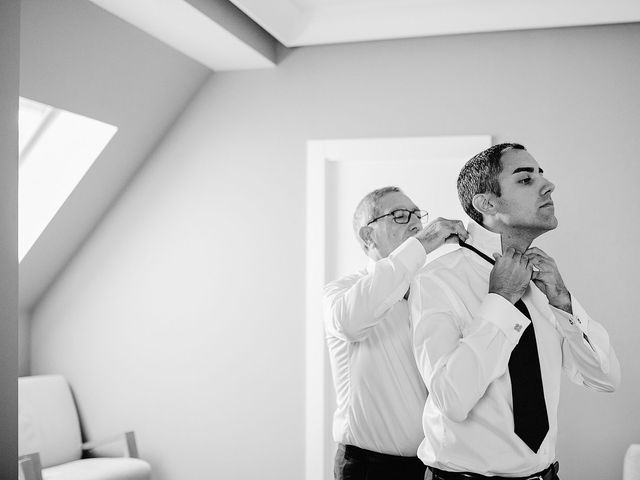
78 57
137 64
311 22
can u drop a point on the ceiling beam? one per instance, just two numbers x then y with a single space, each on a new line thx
212 32
298 23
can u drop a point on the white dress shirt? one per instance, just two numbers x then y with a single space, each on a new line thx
463 337
380 395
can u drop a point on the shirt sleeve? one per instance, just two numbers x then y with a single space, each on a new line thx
458 357
587 355
356 303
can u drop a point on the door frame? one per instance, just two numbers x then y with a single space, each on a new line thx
319 153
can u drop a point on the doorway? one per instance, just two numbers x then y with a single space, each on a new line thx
339 174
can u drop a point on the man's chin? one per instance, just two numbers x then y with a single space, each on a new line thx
551 224
543 226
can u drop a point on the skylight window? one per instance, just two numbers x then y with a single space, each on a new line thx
56 149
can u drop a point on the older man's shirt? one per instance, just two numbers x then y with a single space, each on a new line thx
463 337
380 394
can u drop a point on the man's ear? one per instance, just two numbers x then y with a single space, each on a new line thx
366 235
484 203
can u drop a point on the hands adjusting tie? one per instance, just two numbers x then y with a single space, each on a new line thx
530 419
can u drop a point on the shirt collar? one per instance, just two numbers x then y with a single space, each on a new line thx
371 264
484 240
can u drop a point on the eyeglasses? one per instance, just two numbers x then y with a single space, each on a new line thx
402 216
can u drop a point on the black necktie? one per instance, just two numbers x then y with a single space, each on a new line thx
530 419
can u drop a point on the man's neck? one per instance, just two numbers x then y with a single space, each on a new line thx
517 239
518 243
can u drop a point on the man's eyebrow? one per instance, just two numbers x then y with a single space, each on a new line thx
526 169
405 208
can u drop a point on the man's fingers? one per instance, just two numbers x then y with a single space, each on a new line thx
535 259
542 263
451 239
517 256
511 252
460 230
544 277
541 286
450 229
496 256
531 254
456 226
537 251
441 231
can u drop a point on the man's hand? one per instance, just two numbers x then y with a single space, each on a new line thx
439 232
510 275
548 279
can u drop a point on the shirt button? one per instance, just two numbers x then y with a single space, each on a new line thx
517 327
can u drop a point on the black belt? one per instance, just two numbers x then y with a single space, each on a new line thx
376 457
548 473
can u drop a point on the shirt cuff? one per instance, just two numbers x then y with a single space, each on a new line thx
503 314
410 254
578 322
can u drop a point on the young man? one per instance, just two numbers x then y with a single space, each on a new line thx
380 395
491 340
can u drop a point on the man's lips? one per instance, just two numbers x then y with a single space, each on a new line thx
547 204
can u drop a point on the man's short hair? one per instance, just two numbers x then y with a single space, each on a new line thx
480 175
369 208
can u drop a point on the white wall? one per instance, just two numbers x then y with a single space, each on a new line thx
24 336
76 56
182 317
9 66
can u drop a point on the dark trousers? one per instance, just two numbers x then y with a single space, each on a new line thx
550 473
353 463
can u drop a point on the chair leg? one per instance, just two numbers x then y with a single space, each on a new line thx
132 447
30 466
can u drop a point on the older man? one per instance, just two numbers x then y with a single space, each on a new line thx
494 326
380 395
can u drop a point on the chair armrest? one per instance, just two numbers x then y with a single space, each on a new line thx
631 462
126 439
29 466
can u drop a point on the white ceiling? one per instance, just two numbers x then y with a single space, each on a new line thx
196 28
311 22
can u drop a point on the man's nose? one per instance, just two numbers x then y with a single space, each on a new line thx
548 187
415 225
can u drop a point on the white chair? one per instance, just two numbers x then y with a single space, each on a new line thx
631 466
49 440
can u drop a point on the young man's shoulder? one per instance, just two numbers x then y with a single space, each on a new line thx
444 265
